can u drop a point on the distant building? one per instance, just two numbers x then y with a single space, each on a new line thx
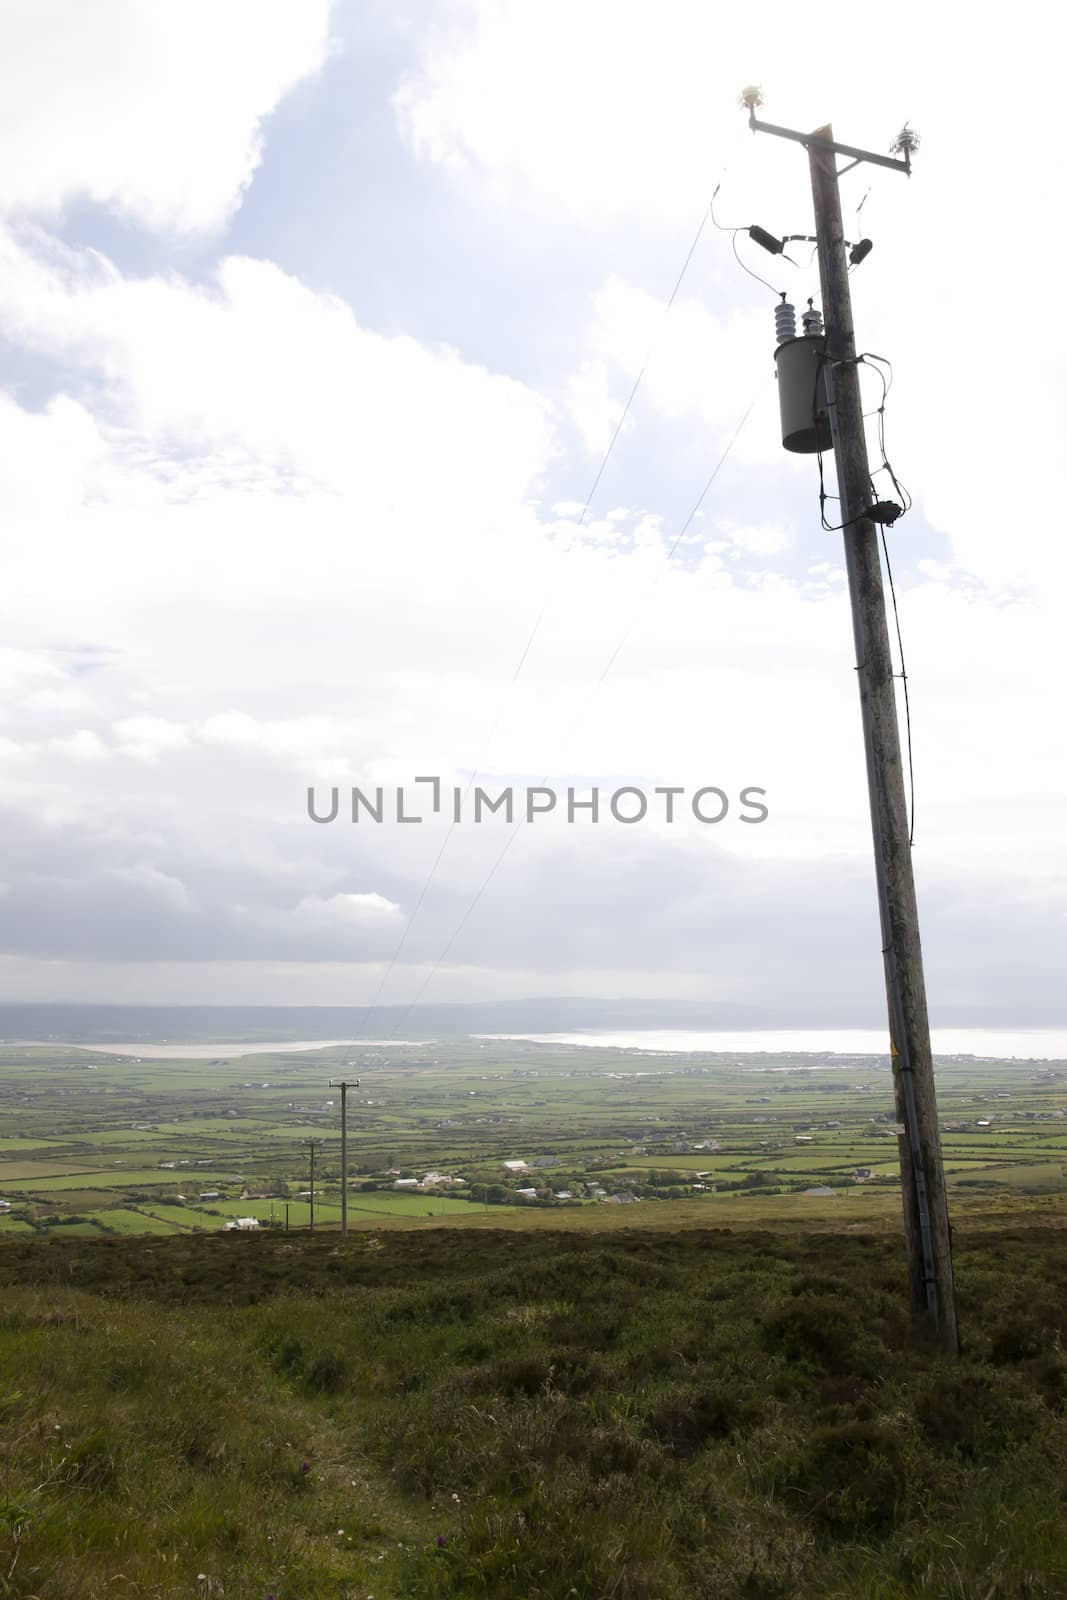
406 1183
803 1138
244 1224
620 1200
211 1194
516 1166
861 1174
527 1194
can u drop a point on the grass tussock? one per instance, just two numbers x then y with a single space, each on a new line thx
527 1417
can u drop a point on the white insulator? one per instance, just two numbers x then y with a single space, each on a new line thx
785 321
811 321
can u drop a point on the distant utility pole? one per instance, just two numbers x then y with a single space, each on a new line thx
340 1083
926 1223
311 1146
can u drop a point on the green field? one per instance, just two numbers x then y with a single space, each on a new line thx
596 1116
119 1220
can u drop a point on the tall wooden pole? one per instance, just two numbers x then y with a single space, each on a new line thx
344 1086
929 1239
344 1160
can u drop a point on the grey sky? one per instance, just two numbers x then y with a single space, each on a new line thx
300 398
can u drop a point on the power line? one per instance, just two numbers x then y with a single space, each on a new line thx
907 699
509 841
684 528
540 616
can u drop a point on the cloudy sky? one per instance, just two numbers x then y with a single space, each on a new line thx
316 322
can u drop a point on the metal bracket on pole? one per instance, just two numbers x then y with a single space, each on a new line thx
812 141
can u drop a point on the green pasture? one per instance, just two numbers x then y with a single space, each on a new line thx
121 1220
185 1216
16 1172
83 1230
259 1127
526 1101
116 1178
22 1141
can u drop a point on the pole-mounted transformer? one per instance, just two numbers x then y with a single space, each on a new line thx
802 393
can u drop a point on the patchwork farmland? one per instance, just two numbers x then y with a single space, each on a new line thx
514 1133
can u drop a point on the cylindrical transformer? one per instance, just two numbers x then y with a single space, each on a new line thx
802 395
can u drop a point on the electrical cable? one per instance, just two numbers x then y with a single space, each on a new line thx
734 232
903 676
906 502
398 951
513 835
677 541
749 270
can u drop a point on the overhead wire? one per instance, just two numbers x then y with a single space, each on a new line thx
534 631
612 658
498 861
903 676
868 358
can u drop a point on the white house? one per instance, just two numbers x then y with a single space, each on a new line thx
527 1194
245 1224
516 1166
406 1183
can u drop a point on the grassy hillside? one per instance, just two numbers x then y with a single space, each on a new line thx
527 1416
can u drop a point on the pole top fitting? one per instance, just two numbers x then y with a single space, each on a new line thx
750 99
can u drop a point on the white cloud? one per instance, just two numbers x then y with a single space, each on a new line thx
83 745
254 542
601 112
148 738
155 111
350 910
271 384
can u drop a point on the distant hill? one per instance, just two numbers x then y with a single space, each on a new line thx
109 1024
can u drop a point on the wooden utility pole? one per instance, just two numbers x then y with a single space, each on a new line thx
340 1083
311 1143
926 1223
